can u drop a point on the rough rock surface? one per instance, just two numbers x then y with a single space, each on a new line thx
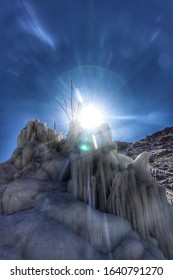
160 148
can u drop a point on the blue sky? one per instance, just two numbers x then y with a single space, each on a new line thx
118 53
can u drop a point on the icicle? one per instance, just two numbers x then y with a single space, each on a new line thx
116 184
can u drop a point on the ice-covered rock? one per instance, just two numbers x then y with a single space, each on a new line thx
58 225
21 193
142 168
27 154
61 227
34 236
103 231
133 248
37 131
10 253
57 168
38 153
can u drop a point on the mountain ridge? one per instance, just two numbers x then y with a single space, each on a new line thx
160 148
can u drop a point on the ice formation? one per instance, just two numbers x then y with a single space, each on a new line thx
114 183
62 203
58 226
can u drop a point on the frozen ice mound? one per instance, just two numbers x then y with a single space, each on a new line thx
21 193
37 237
61 227
103 231
115 210
116 184
10 253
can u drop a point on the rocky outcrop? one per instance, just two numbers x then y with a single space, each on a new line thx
8 172
160 148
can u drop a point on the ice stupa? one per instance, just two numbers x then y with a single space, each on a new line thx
116 184
79 198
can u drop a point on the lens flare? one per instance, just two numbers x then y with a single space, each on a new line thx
79 96
84 147
94 141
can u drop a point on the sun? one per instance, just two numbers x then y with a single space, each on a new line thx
90 117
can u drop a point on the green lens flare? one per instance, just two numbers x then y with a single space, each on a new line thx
84 147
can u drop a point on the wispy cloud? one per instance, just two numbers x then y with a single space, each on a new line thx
31 24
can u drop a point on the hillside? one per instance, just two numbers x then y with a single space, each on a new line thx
160 148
